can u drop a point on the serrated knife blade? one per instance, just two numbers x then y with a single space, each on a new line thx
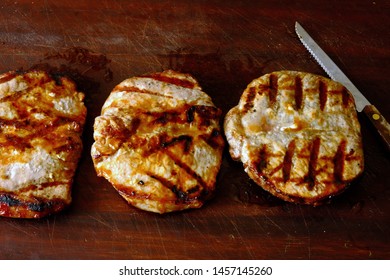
335 73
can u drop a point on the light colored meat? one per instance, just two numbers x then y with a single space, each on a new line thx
41 122
158 142
297 135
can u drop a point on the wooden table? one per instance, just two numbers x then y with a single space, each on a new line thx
225 45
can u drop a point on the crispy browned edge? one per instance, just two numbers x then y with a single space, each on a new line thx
13 207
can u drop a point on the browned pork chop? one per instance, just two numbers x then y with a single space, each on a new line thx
297 135
41 122
158 142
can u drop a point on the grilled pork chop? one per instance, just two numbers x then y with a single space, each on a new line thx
297 135
41 122
158 142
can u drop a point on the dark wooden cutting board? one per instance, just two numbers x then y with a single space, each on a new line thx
225 45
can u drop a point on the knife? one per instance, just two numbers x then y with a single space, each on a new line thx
334 72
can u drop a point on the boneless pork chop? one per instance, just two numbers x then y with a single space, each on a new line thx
297 135
158 142
41 122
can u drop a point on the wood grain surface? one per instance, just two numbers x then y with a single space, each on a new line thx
225 45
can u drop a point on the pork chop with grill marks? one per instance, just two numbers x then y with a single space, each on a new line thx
158 142
41 122
297 135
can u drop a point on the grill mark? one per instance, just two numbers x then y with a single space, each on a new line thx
187 169
70 145
166 117
186 114
9 200
314 151
128 192
214 140
202 114
345 96
182 138
206 114
16 142
249 100
276 169
16 123
190 114
24 116
196 190
41 206
273 88
298 93
323 95
25 108
163 141
12 97
338 161
165 182
171 80
180 195
38 130
261 162
7 77
132 89
134 125
352 158
287 161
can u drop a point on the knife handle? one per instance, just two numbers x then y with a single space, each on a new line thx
380 123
